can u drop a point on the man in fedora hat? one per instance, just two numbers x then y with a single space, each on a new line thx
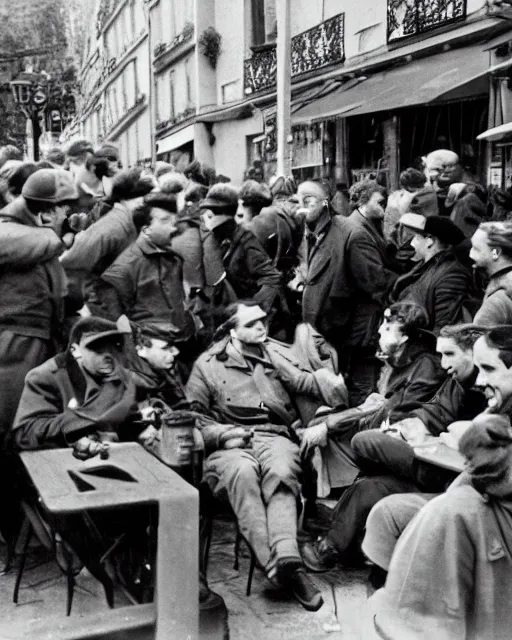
439 282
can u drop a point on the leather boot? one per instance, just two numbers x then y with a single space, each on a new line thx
295 579
319 556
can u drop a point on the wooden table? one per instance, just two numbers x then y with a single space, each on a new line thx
132 476
440 455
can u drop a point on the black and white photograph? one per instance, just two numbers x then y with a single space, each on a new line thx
256 319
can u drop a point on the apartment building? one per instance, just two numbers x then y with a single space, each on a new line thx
114 78
376 84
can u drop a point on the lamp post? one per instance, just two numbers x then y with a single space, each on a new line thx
46 106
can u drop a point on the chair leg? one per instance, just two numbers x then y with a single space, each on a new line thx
13 544
23 559
205 542
237 547
252 566
70 579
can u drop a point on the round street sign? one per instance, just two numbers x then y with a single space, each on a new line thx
39 97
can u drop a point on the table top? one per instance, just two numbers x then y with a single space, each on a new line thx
441 456
130 476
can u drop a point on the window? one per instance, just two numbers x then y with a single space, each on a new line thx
264 23
172 86
129 85
190 81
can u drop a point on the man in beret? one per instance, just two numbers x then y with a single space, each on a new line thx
439 282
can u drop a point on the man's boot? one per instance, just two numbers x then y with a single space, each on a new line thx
294 578
319 556
208 599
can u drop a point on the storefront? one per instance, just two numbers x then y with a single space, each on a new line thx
397 115
177 148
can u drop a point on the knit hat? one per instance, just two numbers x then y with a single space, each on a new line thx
487 447
222 199
439 227
50 185
90 330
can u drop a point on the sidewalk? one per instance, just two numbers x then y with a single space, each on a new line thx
262 615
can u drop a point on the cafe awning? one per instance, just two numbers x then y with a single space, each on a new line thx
497 134
453 75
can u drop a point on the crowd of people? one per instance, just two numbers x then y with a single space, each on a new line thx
315 340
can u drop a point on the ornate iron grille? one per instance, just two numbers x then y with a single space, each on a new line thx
313 49
410 17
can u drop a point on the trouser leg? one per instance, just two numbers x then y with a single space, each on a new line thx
282 523
280 471
349 517
386 522
378 453
235 473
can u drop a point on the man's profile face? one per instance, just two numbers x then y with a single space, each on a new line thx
375 206
160 355
100 359
494 377
420 244
455 360
251 325
391 336
481 252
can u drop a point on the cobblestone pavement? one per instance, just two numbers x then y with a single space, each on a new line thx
263 615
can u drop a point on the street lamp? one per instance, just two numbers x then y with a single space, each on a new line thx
46 106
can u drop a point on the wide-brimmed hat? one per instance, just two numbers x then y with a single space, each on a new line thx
439 227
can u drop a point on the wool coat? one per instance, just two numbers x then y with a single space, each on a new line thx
96 248
345 281
441 285
450 575
497 305
32 282
454 401
147 283
59 405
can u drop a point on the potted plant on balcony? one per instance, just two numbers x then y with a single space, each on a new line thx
210 45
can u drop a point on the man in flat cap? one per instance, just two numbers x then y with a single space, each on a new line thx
439 282
81 392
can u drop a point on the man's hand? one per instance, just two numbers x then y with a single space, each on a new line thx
413 430
313 437
455 432
236 438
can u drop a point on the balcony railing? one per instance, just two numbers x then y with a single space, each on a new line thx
311 50
406 18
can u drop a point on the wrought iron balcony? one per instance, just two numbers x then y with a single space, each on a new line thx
311 50
408 18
